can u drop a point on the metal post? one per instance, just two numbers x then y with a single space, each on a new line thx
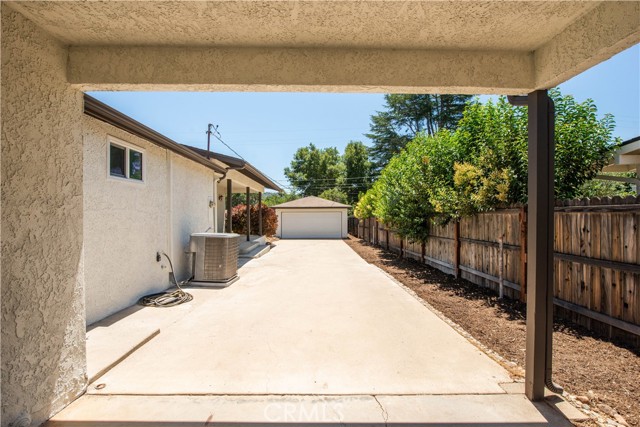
539 245
229 197
523 254
248 215
501 266
456 249
260 213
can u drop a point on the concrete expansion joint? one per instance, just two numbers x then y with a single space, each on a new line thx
385 415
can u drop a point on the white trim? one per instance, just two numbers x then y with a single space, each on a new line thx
127 146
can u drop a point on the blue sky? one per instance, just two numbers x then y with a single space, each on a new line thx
267 128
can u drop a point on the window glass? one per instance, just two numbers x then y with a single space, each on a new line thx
135 165
117 161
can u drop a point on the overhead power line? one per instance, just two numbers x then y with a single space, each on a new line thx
213 131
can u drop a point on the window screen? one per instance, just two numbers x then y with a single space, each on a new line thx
135 165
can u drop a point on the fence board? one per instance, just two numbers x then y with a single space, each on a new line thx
596 265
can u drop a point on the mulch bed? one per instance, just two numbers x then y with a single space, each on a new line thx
585 364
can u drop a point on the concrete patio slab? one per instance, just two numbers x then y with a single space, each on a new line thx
106 347
469 410
361 411
310 334
309 317
174 411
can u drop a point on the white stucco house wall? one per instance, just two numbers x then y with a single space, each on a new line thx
312 218
145 194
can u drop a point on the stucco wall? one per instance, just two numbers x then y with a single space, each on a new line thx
127 223
193 188
43 329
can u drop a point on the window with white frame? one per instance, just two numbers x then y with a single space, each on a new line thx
126 161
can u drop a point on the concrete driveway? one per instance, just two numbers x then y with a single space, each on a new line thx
308 324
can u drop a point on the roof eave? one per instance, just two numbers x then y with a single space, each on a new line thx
107 114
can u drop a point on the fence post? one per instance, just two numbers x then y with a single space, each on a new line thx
456 249
501 266
523 254
424 248
401 247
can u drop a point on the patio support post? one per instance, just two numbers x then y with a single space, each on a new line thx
540 245
248 214
260 213
229 197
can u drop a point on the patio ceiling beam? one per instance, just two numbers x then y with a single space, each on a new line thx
606 30
300 69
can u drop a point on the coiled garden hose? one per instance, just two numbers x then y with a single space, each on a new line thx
168 298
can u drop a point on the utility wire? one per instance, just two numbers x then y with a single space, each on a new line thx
216 134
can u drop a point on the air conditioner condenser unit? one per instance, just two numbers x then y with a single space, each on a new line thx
214 258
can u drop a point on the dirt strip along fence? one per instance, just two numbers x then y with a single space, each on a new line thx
596 258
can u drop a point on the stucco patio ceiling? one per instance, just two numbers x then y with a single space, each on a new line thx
364 46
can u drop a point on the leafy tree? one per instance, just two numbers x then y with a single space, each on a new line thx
336 195
240 198
272 199
482 165
313 170
358 170
601 188
406 116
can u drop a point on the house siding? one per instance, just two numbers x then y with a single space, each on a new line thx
127 223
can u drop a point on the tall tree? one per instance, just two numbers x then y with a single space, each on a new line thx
335 194
314 170
482 165
358 170
405 116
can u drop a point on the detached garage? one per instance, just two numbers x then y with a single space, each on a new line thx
312 218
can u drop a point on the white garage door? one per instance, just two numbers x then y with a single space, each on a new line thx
311 225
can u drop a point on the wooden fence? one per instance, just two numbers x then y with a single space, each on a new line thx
596 259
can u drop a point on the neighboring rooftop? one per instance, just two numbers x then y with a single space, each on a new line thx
626 158
311 202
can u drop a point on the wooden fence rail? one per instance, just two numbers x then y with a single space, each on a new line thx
596 259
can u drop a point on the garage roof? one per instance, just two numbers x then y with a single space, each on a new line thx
311 202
